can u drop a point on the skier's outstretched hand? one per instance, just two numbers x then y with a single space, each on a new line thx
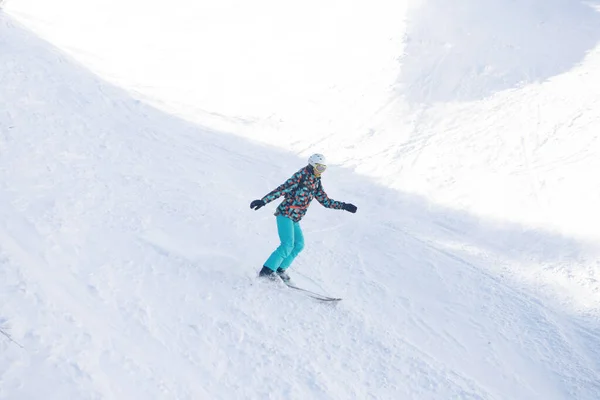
256 204
350 207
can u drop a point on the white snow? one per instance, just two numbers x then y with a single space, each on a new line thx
134 134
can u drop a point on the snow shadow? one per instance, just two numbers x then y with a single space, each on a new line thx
229 166
466 50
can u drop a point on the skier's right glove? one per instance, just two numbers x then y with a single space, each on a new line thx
256 204
350 207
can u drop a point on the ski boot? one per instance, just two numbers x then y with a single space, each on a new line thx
268 273
283 275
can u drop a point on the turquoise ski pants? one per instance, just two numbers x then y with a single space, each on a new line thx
292 243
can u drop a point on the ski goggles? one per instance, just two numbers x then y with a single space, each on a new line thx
320 168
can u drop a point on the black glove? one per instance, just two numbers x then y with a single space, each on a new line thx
350 207
256 204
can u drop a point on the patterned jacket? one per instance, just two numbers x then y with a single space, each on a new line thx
299 191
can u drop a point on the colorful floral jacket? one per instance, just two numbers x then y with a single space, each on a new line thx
299 191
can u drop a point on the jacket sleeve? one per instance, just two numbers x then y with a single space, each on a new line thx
322 198
284 188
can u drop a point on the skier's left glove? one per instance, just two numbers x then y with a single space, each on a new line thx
350 207
256 204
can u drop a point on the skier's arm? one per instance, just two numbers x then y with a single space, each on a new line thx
287 186
322 198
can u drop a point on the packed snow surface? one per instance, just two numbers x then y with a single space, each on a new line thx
134 134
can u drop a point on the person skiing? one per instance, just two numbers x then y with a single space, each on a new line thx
298 191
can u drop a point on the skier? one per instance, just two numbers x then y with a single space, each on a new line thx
298 191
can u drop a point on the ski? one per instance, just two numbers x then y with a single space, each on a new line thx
10 338
314 295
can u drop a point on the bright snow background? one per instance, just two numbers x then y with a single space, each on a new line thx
134 134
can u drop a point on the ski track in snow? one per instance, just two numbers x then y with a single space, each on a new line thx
128 257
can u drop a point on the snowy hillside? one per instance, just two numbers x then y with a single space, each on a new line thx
133 136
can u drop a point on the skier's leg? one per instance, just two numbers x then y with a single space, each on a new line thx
285 229
298 246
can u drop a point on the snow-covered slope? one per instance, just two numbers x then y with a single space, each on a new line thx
128 252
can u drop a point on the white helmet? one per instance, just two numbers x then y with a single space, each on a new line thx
317 159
